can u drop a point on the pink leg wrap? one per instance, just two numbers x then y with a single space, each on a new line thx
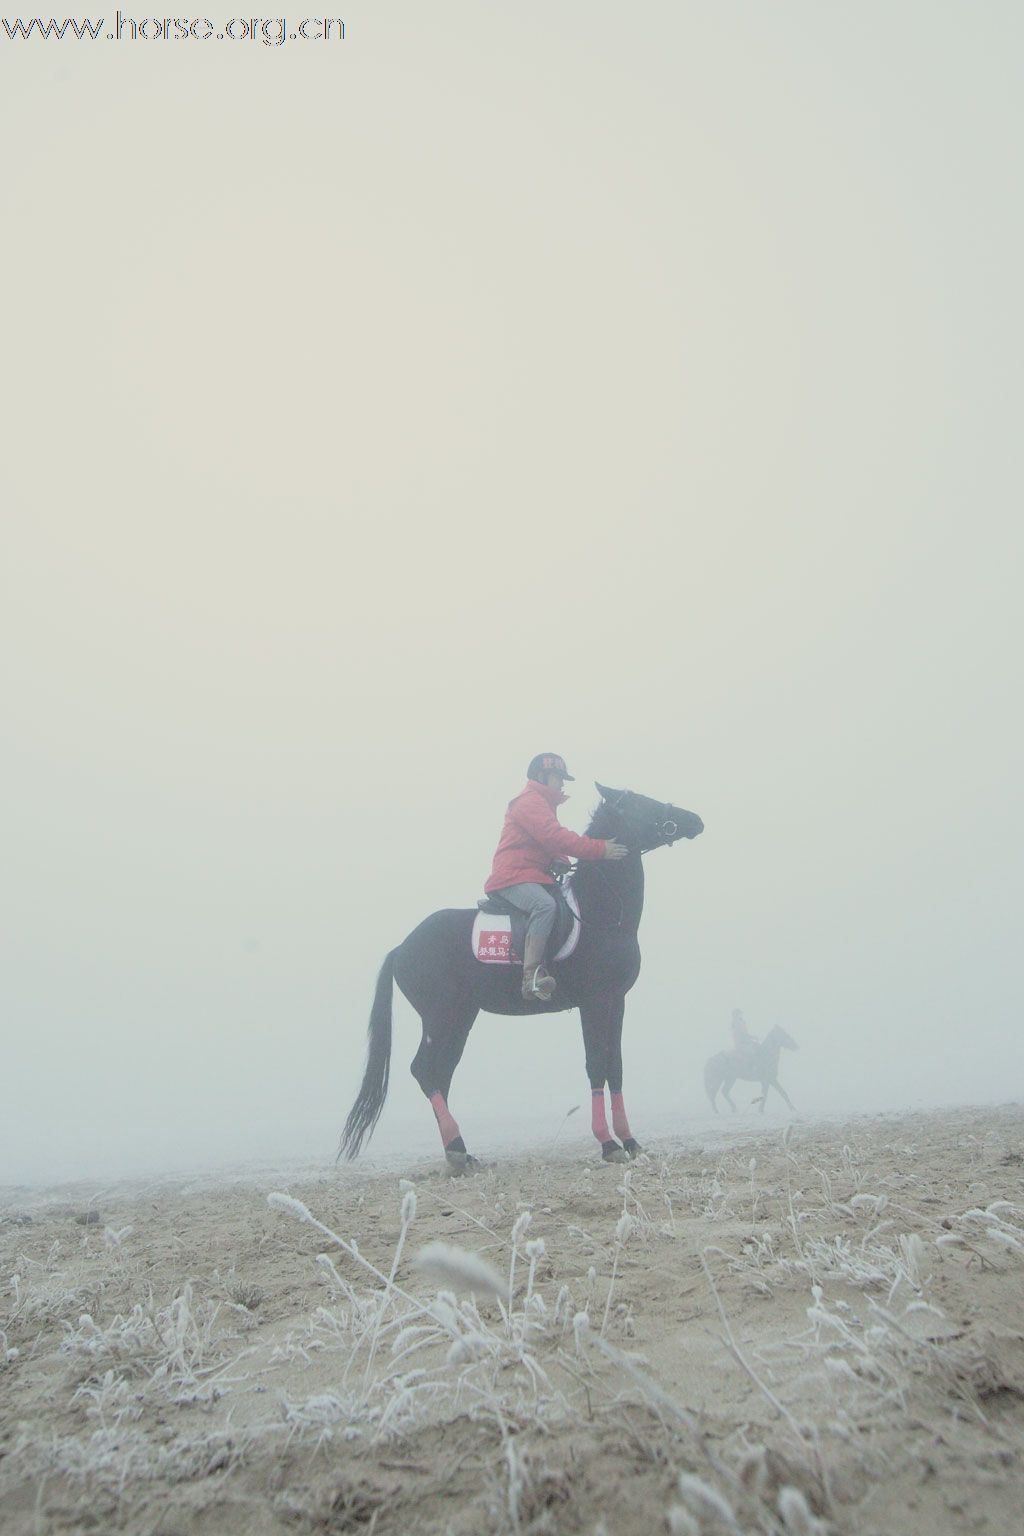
619 1120
446 1122
598 1118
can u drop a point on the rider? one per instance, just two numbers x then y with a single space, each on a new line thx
530 839
744 1043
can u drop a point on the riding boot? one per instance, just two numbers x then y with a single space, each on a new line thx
537 984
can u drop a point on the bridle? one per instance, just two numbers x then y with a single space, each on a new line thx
668 833
667 830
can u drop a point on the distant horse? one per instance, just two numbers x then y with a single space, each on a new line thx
761 1065
439 974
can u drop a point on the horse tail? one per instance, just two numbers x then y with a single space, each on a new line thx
366 1110
712 1079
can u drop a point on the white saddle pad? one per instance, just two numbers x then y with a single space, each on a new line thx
492 936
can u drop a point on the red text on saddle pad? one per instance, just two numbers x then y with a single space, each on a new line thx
491 939
494 946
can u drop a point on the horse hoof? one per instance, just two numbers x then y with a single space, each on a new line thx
461 1163
632 1146
611 1152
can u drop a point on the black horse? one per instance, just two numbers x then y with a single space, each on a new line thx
761 1065
448 986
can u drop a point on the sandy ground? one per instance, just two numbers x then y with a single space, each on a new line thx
767 1328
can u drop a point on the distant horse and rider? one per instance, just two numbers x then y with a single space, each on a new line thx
750 1061
535 955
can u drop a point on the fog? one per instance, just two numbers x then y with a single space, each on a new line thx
638 385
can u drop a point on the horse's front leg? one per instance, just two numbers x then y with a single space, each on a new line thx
620 1123
779 1089
597 1020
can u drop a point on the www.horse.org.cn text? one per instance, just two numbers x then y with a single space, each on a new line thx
270 31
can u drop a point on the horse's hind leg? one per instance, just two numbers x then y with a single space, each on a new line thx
433 1066
725 1093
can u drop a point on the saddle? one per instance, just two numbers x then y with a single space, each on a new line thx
499 932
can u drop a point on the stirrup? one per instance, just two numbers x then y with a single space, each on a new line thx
539 987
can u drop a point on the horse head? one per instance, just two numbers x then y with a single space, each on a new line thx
778 1036
643 823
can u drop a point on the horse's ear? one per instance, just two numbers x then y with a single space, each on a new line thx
605 792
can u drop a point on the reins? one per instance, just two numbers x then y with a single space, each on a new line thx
666 841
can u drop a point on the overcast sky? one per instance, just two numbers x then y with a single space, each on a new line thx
640 384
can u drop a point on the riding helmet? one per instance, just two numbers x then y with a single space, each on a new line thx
547 762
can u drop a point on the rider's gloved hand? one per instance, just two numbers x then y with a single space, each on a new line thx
614 850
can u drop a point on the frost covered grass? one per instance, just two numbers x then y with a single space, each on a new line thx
882 1339
506 1355
444 1352
737 1335
178 1344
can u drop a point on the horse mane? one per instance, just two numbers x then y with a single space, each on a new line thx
604 822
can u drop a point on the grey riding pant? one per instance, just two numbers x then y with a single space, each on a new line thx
539 905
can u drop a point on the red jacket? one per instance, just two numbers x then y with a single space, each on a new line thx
532 837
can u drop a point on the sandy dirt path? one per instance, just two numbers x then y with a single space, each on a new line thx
805 1329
